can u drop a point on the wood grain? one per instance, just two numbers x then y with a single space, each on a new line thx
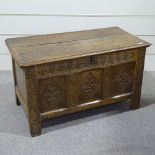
84 43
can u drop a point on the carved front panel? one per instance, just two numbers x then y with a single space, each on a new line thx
72 82
118 80
52 93
89 86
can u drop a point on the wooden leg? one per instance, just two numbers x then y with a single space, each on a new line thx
35 125
135 102
32 103
135 99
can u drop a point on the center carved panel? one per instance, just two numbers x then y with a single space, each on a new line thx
89 86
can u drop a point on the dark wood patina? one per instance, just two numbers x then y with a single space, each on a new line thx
58 74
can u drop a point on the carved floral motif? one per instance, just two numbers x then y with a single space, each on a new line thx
123 79
53 92
89 86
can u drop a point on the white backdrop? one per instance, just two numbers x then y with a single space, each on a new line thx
30 17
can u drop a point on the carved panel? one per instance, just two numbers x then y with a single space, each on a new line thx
52 93
123 79
118 79
89 85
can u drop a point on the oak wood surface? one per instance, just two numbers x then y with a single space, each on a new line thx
49 48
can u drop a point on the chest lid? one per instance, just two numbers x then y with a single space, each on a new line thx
33 50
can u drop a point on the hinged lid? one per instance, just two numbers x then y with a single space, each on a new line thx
41 49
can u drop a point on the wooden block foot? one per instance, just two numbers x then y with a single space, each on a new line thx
35 128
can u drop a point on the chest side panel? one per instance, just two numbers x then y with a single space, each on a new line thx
89 86
21 83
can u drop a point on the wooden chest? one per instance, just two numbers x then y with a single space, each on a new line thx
58 74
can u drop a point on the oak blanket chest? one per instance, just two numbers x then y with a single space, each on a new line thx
63 73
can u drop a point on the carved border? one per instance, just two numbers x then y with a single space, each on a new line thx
80 64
